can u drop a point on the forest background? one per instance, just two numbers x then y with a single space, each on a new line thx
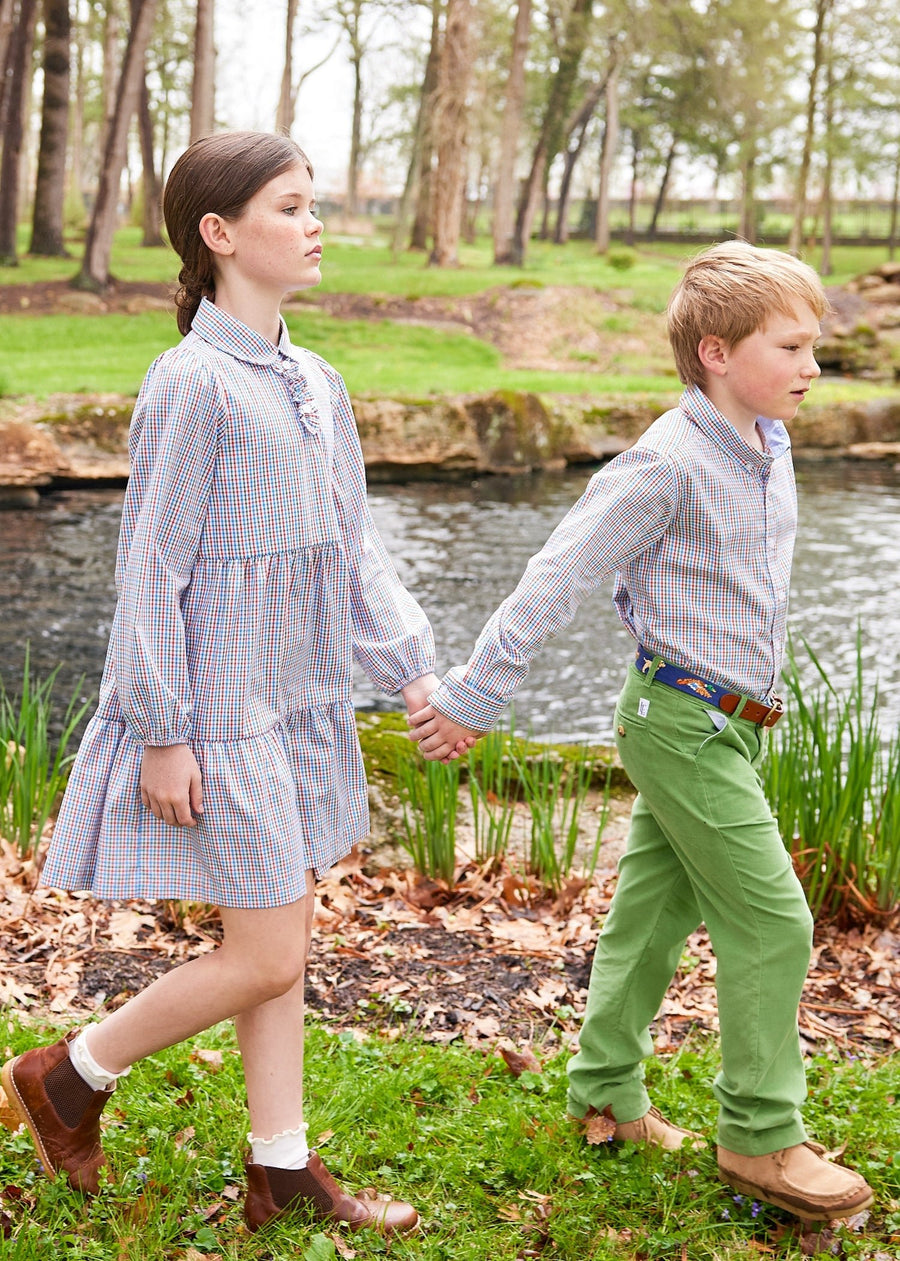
775 121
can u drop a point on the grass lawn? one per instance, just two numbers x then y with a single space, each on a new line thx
489 1159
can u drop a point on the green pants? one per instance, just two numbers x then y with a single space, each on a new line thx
703 847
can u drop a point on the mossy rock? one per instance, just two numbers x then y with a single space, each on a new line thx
384 742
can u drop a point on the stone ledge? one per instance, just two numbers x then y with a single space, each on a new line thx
83 440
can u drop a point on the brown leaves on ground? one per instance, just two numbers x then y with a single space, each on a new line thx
490 960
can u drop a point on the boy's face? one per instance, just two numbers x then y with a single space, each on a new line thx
769 372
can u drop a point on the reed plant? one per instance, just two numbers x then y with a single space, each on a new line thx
493 789
555 790
33 765
834 785
429 797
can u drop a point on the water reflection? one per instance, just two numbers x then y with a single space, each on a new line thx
460 549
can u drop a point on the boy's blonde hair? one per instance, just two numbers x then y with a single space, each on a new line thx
730 291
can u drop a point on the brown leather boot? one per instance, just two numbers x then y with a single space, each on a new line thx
271 1192
60 1111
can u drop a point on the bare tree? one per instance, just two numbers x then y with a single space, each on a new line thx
284 115
50 188
823 8
7 9
112 27
12 125
450 124
510 134
550 137
576 133
203 93
94 273
608 147
423 152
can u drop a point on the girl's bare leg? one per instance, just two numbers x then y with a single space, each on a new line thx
260 961
270 1036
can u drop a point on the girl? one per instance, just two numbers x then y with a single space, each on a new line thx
223 764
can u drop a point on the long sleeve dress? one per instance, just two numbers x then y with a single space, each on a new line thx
249 574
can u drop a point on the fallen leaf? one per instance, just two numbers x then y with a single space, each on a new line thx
598 1128
519 1062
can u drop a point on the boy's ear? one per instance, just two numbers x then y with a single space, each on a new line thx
215 233
713 354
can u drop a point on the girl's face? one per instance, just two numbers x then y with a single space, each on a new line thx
276 243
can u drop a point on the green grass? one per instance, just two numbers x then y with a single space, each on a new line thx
77 354
489 1160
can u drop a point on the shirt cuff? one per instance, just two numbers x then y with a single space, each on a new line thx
460 702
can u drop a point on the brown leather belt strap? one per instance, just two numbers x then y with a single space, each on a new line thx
753 711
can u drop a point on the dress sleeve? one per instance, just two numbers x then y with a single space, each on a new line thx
173 446
624 510
392 637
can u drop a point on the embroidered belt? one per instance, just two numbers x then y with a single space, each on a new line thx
758 712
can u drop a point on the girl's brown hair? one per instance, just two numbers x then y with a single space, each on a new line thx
217 175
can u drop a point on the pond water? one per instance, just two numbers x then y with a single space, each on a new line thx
460 548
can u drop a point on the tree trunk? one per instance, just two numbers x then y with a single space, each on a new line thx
828 180
510 127
50 188
421 229
284 115
577 124
633 190
7 11
747 224
203 92
549 140
94 273
352 206
800 196
75 204
110 70
450 126
663 189
152 219
16 75
608 150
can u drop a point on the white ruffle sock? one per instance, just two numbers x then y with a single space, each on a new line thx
285 1150
87 1068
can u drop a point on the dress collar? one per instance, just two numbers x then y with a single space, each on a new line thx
229 334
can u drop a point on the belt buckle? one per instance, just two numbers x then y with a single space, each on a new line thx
773 713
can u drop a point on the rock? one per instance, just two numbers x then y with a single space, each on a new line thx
28 456
874 450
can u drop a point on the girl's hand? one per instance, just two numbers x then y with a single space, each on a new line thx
171 787
439 738
416 694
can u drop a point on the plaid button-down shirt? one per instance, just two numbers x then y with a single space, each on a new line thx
698 529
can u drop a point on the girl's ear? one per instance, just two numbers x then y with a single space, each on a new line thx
215 233
713 354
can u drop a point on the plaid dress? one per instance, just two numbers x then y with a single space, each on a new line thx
249 574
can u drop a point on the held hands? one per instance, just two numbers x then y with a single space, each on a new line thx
171 787
439 738
416 695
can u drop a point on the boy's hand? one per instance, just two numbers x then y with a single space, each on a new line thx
171 787
439 738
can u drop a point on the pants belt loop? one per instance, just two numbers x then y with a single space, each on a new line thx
650 673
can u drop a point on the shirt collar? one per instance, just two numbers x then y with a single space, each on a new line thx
230 335
703 412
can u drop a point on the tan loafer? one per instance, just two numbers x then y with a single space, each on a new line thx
272 1192
60 1111
799 1179
652 1128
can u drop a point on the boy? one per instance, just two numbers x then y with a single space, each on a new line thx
697 521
